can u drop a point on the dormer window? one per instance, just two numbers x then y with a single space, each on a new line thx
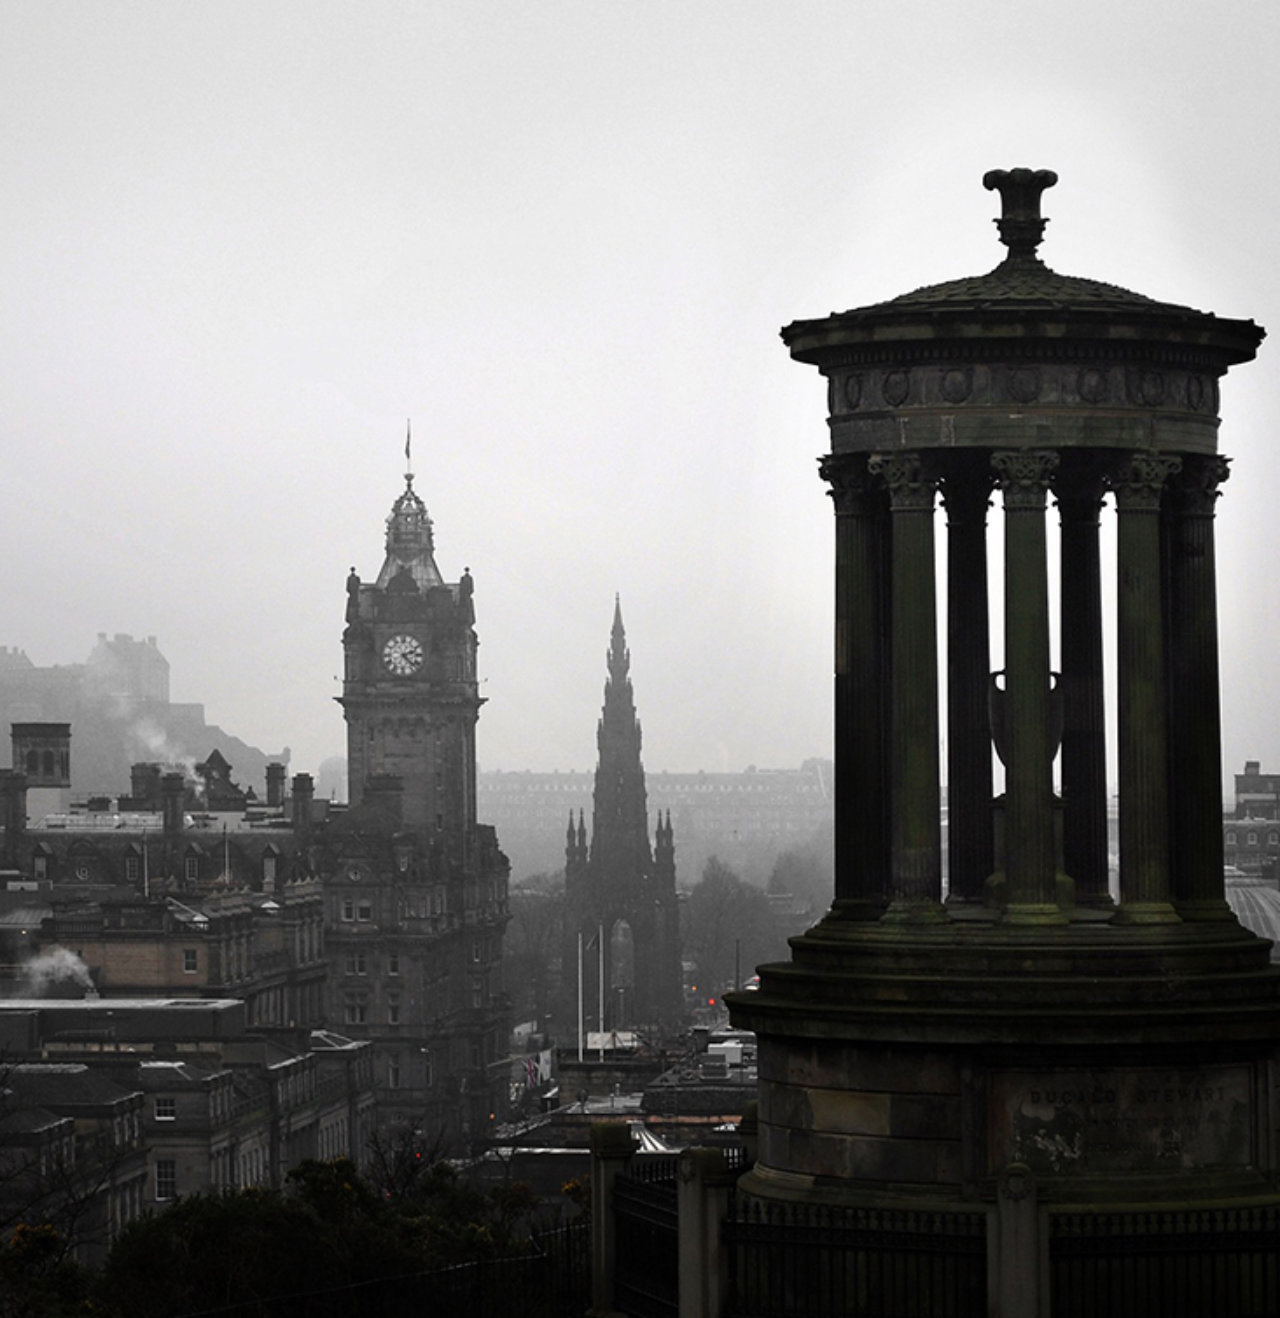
191 868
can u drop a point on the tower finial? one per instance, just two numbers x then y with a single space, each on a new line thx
1021 226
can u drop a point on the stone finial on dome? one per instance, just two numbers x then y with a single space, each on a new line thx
1021 226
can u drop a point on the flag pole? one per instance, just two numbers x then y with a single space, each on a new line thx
579 995
600 934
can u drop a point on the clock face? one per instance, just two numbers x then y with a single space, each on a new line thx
402 655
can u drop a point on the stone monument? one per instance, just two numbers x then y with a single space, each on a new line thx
1074 1061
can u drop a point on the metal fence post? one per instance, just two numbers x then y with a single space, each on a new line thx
611 1150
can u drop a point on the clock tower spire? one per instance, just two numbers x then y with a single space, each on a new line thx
409 692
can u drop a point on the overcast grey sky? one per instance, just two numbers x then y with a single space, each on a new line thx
242 242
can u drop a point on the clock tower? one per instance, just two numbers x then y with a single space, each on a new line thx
415 889
409 692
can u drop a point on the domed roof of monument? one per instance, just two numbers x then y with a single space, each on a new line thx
1019 287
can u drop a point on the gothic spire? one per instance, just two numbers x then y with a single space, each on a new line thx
621 815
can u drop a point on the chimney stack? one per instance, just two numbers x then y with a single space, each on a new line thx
275 785
173 793
13 805
304 790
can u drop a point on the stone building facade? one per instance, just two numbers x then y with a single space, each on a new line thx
381 921
167 1097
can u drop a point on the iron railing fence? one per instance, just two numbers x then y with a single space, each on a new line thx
819 1261
1184 1263
646 1267
552 1281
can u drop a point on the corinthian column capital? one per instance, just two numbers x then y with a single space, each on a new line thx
910 483
853 488
1196 489
1138 480
1024 475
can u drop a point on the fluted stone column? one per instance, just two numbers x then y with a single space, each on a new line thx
970 845
1195 722
1024 477
1142 716
861 638
915 801
1079 488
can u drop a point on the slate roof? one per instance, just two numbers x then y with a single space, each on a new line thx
61 1085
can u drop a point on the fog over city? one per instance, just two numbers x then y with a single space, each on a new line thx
243 243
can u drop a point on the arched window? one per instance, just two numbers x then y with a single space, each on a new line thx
33 762
49 764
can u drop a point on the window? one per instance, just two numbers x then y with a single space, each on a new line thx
1253 838
190 960
477 993
357 963
393 1012
166 1178
1273 838
348 909
166 1109
132 869
475 949
393 964
1231 838
40 867
364 911
192 869
355 1012
393 1071
268 868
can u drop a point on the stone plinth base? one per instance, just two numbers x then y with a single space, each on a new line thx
1047 1080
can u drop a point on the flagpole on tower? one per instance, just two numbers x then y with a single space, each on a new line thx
408 443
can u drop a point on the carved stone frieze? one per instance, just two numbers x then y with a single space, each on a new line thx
958 386
895 387
1024 384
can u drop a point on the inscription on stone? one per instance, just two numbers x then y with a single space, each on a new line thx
1086 1123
